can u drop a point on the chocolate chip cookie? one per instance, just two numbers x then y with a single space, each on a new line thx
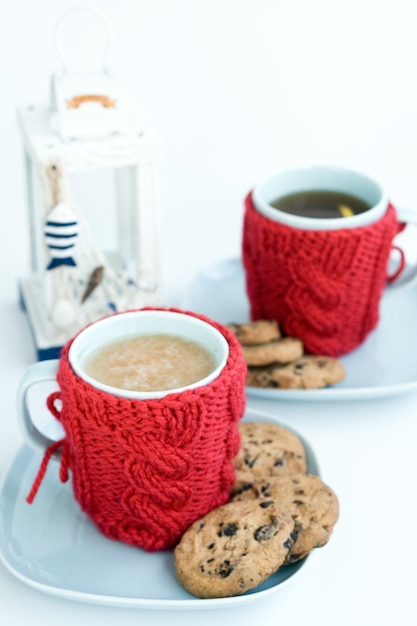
233 548
267 449
278 351
313 506
307 372
260 331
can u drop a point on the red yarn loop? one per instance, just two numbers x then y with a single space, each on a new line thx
63 471
50 403
42 470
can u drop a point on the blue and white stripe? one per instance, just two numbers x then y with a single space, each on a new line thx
61 233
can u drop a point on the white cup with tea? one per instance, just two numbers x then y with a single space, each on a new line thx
320 198
316 250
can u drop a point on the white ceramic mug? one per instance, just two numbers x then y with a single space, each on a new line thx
324 178
111 329
144 465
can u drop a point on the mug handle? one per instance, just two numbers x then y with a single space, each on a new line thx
38 372
407 217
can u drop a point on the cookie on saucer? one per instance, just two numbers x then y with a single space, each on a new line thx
233 548
278 351
307 372
267 449
260 331
313 506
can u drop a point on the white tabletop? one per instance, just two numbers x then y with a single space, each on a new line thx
238 89
365 574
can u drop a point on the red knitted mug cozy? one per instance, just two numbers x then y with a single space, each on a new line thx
321 286
144 470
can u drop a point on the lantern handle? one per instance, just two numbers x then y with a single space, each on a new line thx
108 29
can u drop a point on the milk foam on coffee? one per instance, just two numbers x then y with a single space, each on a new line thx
150 363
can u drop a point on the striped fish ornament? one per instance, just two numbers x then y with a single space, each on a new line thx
61 233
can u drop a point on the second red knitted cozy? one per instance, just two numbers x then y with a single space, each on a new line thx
321 286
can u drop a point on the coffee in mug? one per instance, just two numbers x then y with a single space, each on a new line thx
150 363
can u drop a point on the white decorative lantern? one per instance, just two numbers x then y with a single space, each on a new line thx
92 128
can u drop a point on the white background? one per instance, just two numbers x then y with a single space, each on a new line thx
237 89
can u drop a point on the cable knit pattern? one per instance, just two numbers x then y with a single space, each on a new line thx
321 286
144 470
